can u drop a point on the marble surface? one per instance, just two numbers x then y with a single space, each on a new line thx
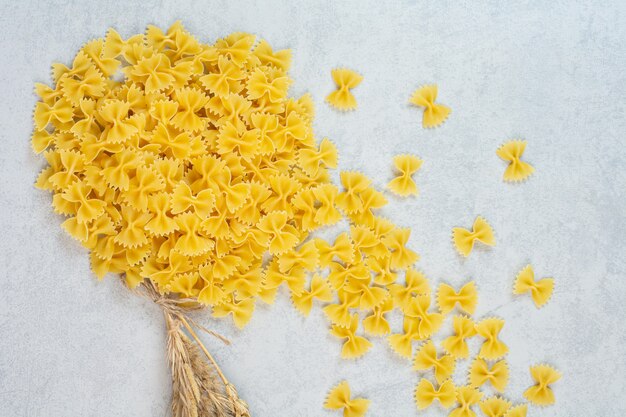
553 73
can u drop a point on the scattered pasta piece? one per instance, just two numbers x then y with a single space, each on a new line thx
492 347
376 324
404 185
434 114
354 346
517 170
466 298
429 323
426 358
456 344
339 398
425 394
401 343
320 289
466 396
541 393
540 290
494 406
346 80
464 240
497 374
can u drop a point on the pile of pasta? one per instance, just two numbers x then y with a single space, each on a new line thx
188 165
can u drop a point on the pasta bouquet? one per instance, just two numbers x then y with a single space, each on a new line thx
186 169
181 166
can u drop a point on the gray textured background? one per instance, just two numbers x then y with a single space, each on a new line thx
553 73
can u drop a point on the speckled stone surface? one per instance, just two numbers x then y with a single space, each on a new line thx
553 73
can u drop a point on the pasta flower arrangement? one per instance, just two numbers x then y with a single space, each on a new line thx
187 169
184 167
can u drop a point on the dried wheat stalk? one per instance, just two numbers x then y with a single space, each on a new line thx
199 388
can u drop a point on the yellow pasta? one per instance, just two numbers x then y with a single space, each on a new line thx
464 239
401 343
494 406
492 348
320 289
426 393
541 393
346 80
415 284
404 185
426 358
417 308
434 114
456 344
466 397
187 164
517 170
496 374
354 346
376 324
540 290
339 398
466 298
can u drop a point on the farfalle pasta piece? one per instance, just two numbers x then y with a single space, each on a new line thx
466 298
494 406
320 289
339 314
306 257
434 114
497 374
263 87
401 343
418 308
416 283
283 236
540 290
327 212
244 142
401 256
183 199
404 185
466 397
376 324
220 82
492 348
339 398
346 80
342 249
88 208
541 393
354 346
145 182
57 114
517 170
426 357
354 184
115 114
464 239
456 345
241 311
312 159
384 274
191 242
426 393
295 279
